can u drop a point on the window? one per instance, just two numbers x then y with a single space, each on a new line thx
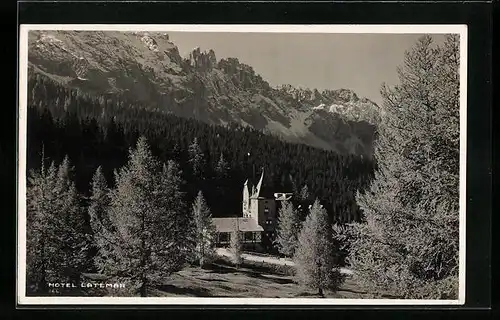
248 236
223 237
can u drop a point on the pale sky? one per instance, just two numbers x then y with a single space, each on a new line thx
361 62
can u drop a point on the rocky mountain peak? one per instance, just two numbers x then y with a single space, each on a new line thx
147 67
341 95
203 61
243 75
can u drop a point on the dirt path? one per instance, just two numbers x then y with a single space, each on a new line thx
271 260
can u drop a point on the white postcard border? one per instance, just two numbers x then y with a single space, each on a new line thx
22 299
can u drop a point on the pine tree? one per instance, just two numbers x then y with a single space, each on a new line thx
205 230
173 199
40 199
236 246
409 244
304 194
146 240
222 168
74 239
196 158
99 200
304 202
99 220
314 257
341 235
222 186
57 243
288 229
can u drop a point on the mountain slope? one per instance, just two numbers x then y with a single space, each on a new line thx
148 67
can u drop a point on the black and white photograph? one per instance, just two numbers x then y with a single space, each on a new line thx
242 164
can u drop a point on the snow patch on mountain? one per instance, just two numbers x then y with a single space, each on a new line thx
48 38
150 43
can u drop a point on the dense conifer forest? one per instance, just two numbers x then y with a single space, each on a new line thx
95 130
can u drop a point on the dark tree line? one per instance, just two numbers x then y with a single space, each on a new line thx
98 130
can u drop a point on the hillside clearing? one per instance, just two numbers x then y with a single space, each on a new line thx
225 281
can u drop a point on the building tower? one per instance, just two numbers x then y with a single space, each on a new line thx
246 200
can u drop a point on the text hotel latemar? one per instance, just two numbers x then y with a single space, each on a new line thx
102 285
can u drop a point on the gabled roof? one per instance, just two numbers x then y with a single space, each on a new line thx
228 224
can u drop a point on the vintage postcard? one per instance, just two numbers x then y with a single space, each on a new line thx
242 164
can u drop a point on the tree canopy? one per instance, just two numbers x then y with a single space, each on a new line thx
410 241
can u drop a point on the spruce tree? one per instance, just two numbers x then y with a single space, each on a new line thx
73 237
315 257
57 242
304 194
341 235
40 206
304 202
236 246
409 245
205 230
146 239
104 238
222 168
99 199
196 158
288 229
222 185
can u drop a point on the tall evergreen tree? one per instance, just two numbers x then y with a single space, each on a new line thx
57 242
205 230
304 194
341 235
236 246
99 199
314 257
303 202
144 242
222 185
99 220
288 229
410 241
196 158
222 168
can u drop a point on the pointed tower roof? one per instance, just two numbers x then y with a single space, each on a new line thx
258 188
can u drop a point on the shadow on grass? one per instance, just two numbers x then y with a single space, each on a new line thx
214 280
308 294
270 278
219 268
198 292
389 296
351 291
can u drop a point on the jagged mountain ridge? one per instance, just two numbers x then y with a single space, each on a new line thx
147 66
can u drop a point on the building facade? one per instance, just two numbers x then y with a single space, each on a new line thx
259 218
